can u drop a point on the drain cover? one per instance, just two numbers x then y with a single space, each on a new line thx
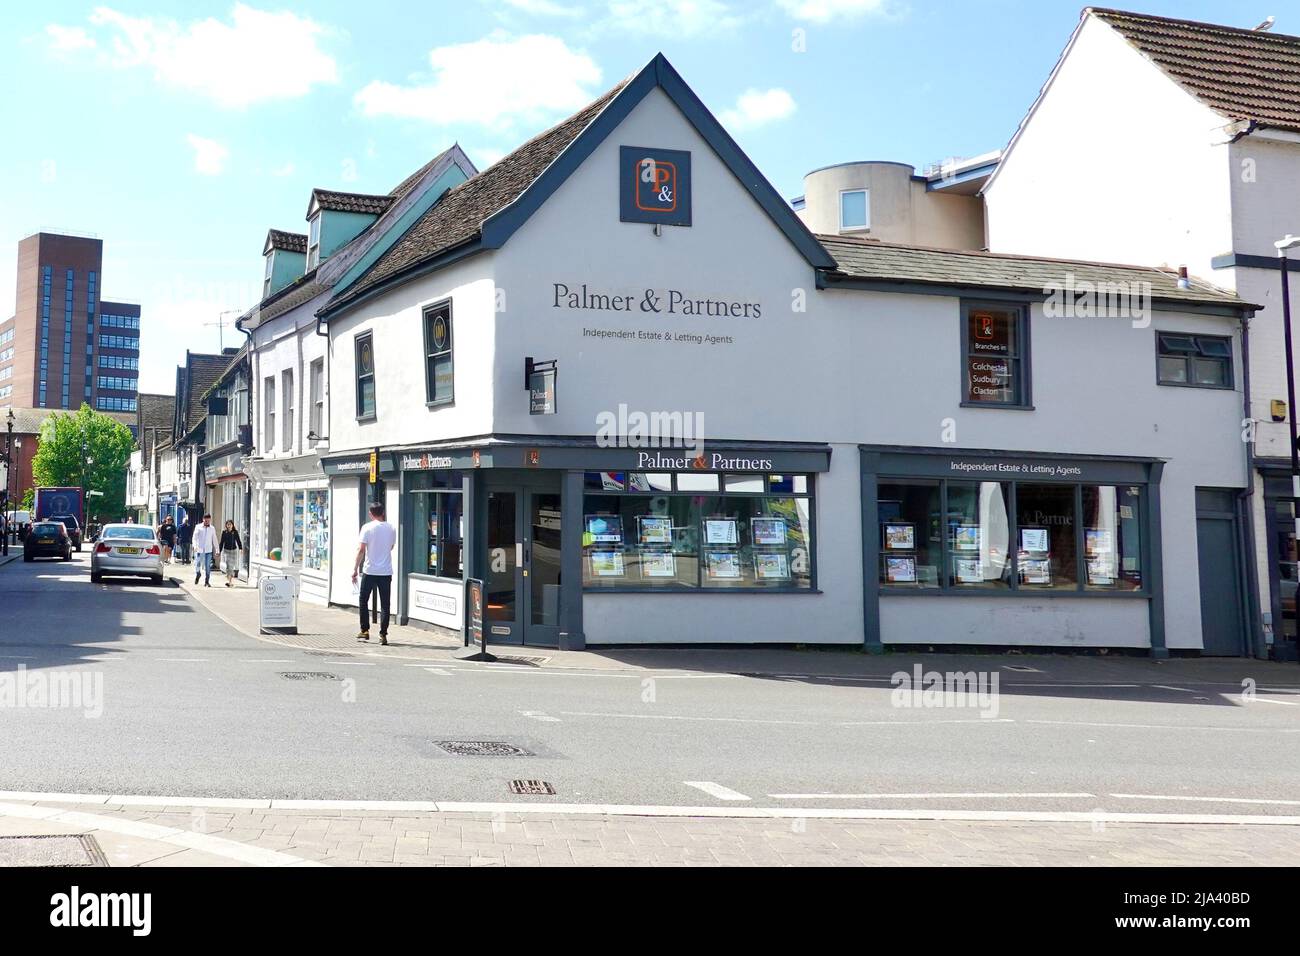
483 748
308 675
45 850
532 788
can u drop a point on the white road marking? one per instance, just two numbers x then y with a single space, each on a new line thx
828 813
727 720
923 723
930 796
1265 700
1084 723
266 660
1183 690
440 671
218 846
184 660
1152 796
716 790
355 663
540 715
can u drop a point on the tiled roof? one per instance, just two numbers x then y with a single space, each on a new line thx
154 417
350 202
300 290
288 241
204 371
459 215
27 421
1243 74
890 262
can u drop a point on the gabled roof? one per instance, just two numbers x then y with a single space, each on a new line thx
154 416
1243 74
300 290
485 210
288 241
897 264
201 372
348 202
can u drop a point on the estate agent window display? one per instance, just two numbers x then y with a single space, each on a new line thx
697 531
954 536
995 355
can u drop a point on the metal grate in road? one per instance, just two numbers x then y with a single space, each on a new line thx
532 788
308 675
483 748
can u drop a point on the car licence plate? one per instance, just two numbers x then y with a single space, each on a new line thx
44 540
128 550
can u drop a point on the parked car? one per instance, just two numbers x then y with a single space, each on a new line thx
73 526
127 549
47 539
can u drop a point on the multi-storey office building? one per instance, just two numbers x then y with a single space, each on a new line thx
64 345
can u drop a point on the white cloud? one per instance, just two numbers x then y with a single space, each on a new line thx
68 39
209 155
755 108
286 170
495 82
257 56
544 8
823 11
672 19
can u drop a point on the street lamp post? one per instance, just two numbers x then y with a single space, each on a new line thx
9 470
1282 245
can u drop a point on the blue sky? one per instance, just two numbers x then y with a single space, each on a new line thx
180 132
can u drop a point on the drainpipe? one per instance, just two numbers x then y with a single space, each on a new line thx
1246 507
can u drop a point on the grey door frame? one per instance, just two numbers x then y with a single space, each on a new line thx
1231 515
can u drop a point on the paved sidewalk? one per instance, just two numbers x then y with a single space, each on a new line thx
225 834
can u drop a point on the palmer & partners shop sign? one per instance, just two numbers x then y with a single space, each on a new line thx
654 306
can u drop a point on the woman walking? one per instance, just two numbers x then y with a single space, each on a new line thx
232 549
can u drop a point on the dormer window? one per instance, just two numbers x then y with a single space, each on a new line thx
266 279
313 243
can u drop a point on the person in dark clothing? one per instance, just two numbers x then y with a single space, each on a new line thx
167 535
184 535
232 550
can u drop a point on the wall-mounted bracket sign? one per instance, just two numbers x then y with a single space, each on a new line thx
654 185
539 379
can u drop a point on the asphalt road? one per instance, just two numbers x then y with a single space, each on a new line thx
191 708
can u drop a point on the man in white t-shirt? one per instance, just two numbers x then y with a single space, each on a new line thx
205 546
375 566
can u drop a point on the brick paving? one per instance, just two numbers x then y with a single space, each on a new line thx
436 838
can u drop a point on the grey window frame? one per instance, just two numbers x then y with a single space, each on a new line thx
1022 357
1196 338
429 355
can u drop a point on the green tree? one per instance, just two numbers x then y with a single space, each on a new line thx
88 450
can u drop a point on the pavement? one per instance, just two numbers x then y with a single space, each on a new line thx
201 744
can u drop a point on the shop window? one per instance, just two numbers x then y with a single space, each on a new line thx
995 345
438 378
298 502
1201 361
1047 552
316 555
1112 538
365 374
910 548
640 534
978 535
438 534
275 525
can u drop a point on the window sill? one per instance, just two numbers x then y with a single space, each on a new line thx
1017 595
1213 388
998 406
367 418
445 403
680 591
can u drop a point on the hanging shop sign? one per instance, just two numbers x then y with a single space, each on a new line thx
654 185
539 379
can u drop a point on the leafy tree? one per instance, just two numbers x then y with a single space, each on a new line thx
68 440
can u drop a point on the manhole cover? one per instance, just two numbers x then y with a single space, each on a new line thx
483 748
308 675
532 788
527 661
50 850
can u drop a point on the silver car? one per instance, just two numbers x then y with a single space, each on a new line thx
130 549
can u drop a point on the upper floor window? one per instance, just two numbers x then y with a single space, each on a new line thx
995 346
365 373
287 398
854 212
1201 361
317 382
437 355
313 242
268 412
266 279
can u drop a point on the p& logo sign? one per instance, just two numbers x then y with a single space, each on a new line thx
654 185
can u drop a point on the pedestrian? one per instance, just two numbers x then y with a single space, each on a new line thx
205 546
375 565
167 535
232 550
184 534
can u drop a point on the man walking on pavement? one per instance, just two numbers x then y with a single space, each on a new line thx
205 546
184 534
375 565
